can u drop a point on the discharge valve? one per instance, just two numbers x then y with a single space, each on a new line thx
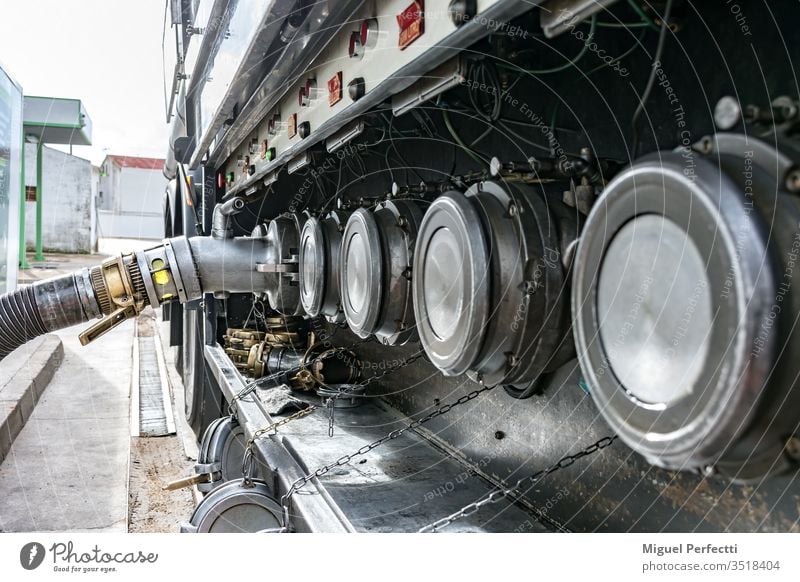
121 287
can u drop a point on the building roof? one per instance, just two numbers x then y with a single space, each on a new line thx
56 120
135 162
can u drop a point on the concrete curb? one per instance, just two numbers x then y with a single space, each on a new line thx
24 375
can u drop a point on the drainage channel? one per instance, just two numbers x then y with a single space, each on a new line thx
151 404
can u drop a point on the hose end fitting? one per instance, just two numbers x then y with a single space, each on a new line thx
120 293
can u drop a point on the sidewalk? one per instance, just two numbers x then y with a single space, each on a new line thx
24 375
73 466
68 467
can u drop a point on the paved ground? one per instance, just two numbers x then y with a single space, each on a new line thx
68 468
74 466
24 376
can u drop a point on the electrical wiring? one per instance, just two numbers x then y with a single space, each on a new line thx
474 155
487 103
643 15
636 44
651 81
423 111
553 127
531 124
478 139
547 149
565 66
423 123
623 24
397 152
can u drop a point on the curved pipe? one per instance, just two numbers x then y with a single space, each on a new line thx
221 218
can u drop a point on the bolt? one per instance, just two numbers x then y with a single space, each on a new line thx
462 10
727 113
793 180
512 210
793 448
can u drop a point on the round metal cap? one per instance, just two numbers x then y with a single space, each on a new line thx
223 446
237 508
671 284
656 335
398 223
333 226
313 266
450 286
361 283
282 256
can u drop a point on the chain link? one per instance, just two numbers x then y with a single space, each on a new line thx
513 491
330 405
345 459
248 460
330 402
245 391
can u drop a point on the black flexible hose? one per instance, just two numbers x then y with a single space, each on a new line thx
20 320
45 306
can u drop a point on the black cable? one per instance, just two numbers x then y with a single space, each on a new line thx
397 152
651 81
553 127
615 60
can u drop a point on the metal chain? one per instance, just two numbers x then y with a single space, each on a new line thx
513 491
330 402
390 369
345 459
248 458
247 389
274 426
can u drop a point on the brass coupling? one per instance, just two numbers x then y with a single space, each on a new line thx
120 292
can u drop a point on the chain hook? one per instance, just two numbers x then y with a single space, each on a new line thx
248 465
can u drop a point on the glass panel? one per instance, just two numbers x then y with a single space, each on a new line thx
10 168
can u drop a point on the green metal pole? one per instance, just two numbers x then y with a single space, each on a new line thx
23 259
39 189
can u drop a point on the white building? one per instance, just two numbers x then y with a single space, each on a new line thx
129 198
68 214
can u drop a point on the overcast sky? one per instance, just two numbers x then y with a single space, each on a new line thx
107 53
